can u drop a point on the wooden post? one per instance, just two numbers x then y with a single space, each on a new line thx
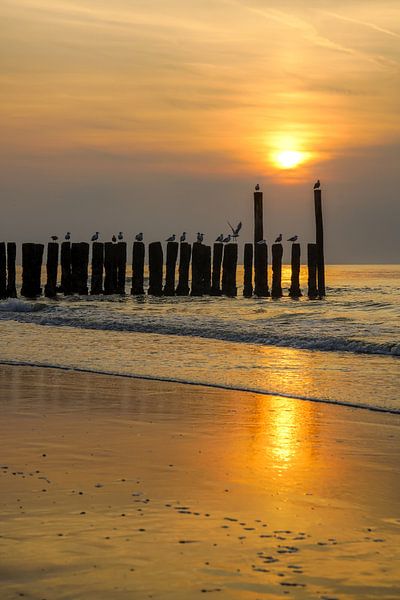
207 270
319 230
120 251
11 257
197 270
137 269
110 269
66 273
258 217
155 269
50 289
185 252
218 250
229 264
277 253
3 271
312 270
248 271
295 291
32 255
96 284
261 271
172 255
79 267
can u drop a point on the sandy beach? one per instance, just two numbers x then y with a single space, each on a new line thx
121 488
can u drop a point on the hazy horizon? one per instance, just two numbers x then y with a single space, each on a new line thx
161 117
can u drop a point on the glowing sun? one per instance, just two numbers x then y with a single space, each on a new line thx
289 159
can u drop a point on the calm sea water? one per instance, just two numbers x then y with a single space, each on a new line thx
344 349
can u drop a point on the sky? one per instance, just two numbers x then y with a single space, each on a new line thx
162 115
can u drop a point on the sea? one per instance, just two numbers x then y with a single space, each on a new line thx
344 349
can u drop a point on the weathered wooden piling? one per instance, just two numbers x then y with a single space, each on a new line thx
258 217
138 269
229 265
110 268
32 256
312 270
197 270
50 289
79 267
261 271
120 251
277 253
248 271
3 271
11 258
155 269
319 231
172 255
185 251
207 270
294 290
66 272
218 250
96 283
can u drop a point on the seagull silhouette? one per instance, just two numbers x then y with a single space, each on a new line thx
114 239
183 237
227 239
293 239
68 235
220 238
278 239
235 230
317 185
139 237
257 187
171 238
120 236
95 237
200 237
54 238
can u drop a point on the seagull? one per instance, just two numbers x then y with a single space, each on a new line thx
54 238
139 237
120 236
114 239
68 235
171 238
183 237
200 237
95 237
220 238
227 239
317 185
235 231
257 187
262 242
278 239
293 239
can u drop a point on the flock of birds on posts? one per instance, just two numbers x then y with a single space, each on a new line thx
200 236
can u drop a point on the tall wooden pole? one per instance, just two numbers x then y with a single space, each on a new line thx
3 271
258 217
260 250
248 271
138 268
11 256
319 230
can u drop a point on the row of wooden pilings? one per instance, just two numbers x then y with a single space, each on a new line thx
213 271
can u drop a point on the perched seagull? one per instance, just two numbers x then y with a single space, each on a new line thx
235 230
257 187
278 239
200 237
95 237
293 239
262 242
183 237
220 238
317 185
171 238
120 236
113 239
139 237
68 235
227 239
54 238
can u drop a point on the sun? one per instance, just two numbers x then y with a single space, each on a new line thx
289 159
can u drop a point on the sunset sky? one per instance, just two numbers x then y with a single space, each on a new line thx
161 116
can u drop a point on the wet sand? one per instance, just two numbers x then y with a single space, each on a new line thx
115 488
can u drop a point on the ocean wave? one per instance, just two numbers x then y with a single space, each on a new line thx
15 305
265 392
